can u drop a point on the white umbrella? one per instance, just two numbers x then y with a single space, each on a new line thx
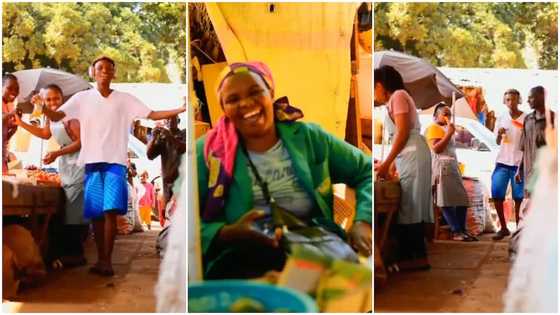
426 84
33 80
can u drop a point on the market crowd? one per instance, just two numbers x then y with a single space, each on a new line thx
100 184
428 171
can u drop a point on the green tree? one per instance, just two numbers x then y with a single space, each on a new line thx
142 37
469 34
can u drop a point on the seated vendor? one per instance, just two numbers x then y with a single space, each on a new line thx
258 154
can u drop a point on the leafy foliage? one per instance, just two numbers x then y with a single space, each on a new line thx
142 38
470 34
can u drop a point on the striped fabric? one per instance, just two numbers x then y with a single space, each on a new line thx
105 189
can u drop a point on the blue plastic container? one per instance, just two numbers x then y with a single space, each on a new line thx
216 296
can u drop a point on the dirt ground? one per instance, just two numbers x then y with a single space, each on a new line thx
136 266
465 277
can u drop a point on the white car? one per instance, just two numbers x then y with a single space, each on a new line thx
476 147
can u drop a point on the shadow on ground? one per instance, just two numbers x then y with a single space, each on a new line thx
465 277
136 266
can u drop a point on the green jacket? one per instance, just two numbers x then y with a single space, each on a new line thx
319 160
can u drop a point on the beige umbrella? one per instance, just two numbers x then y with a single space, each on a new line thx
425 83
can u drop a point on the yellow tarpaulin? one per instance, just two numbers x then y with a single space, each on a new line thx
306 45
210 74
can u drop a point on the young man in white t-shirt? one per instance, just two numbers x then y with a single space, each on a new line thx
508 134
105 117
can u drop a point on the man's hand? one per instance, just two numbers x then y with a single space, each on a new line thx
359 238
518 178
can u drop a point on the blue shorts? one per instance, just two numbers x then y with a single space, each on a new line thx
105 189
502 175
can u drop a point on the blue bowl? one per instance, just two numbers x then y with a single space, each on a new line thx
216 296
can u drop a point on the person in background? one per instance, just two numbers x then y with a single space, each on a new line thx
483 114
451 195
532 136
105 117
147 200
10 90
133 207
170 143
159 203
69 245
508 135
490 120
125 223
411 154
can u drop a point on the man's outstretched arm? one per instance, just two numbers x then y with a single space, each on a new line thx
165 114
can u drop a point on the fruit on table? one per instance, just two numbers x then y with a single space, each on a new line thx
246 305
42 176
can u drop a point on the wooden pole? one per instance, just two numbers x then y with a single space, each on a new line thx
353 121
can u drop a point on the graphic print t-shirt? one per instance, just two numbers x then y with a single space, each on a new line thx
276 169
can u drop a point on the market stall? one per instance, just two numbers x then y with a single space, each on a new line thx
37 197
387 199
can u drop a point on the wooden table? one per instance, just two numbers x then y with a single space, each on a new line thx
37 202
387 202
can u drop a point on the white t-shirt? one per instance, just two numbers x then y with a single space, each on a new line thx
509 153
104 124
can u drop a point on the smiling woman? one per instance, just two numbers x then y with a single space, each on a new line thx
257 159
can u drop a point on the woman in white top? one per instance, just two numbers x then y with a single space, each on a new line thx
68 249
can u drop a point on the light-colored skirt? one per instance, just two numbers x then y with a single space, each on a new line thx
414 165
